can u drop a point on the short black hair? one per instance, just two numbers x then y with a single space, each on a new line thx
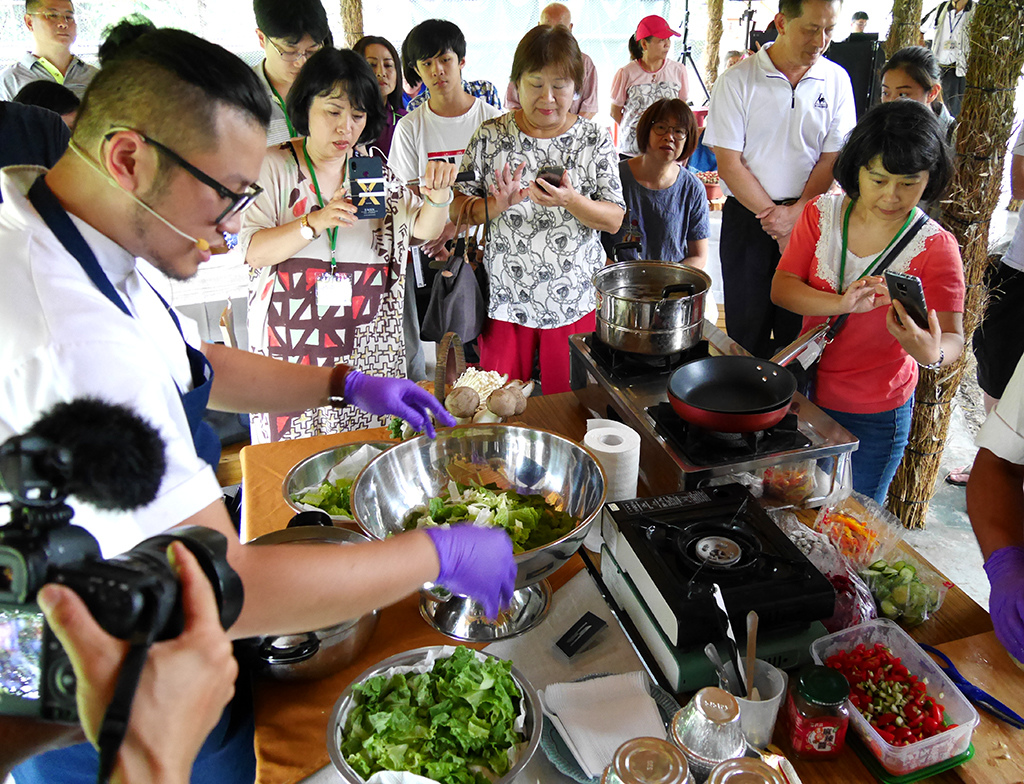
859 15
909 139
49 95
121 34
32 5
394 100
169 84
322 74
918 63
791 9
668 109
432 38
290 20
408 67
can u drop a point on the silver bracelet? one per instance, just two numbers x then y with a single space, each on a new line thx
934 365
441 205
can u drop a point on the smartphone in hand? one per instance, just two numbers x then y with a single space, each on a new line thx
907 290
366 187
551 175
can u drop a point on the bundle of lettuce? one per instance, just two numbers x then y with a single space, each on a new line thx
456 723
529 519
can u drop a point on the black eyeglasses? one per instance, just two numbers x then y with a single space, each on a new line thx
238 201
294 57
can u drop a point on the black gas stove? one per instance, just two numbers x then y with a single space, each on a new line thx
674 547
627 365
711 448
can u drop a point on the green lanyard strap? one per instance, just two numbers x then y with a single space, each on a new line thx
280 102
332 233
879 257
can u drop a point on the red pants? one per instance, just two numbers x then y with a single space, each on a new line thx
510 348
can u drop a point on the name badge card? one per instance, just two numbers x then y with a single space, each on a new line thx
333 291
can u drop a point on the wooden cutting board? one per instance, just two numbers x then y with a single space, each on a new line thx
998 747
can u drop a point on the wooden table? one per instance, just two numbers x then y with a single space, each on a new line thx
291 718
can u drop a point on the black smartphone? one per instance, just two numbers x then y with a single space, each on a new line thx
366 187
551 174
907 290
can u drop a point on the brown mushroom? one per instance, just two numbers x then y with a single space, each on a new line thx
503 402
462 402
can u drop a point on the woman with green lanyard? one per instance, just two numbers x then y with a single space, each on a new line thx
326 287
894 157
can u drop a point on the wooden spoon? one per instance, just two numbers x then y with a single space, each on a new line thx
752 692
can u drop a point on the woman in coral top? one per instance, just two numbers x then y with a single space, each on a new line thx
895 156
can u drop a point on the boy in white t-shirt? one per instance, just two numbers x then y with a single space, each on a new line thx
439 129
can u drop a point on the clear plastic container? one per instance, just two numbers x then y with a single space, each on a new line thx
901 760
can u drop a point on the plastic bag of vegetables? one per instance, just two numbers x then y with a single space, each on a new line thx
905 590
860 529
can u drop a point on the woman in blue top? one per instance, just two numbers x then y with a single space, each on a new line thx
667 205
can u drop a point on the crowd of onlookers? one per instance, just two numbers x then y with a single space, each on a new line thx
819 205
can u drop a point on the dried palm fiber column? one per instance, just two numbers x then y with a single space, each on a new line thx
983 133
906 26
352 20
712 51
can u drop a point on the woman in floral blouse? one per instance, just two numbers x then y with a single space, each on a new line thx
543 242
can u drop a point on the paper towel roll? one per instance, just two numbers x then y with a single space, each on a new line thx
617 448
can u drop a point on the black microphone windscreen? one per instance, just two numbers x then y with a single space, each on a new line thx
117 458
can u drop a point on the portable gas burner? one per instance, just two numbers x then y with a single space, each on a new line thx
669 551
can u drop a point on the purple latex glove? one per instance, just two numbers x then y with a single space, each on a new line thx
476 562
1005 570
397 396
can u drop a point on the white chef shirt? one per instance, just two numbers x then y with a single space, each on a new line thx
781 130
1003 430
1014 256
63 339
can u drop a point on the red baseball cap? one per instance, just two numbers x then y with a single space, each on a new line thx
656 26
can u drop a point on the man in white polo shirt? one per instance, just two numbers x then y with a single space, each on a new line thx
995 504
776 123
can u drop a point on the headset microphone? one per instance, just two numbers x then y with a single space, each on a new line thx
200 243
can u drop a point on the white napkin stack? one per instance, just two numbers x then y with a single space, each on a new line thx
595 717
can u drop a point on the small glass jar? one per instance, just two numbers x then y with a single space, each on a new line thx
708 731
647 761
745 770
816 712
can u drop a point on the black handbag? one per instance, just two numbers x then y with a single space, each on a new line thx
458 299
806 376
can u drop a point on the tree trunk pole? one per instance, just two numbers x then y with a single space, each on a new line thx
712 52
984 125
906 26
352 20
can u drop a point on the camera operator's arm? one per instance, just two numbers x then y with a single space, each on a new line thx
184 687
22 738
291 588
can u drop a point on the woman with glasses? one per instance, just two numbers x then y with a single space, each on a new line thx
325 286
387 67
549 185
666 205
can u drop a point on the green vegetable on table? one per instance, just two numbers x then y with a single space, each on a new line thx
900 593
335 498
450 724
529 519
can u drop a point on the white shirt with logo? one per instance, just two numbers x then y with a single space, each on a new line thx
781 130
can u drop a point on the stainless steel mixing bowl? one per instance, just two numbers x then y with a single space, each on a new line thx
313 470
335 725
532 461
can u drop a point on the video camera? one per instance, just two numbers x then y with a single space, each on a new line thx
107 456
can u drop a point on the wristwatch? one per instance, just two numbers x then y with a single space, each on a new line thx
306 230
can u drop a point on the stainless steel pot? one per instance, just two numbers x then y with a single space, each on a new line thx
650 307
316 654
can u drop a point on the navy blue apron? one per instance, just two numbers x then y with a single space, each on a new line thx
227 756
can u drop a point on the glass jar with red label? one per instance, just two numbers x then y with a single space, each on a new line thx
816 712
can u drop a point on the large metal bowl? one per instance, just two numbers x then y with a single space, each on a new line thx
313 470
533 461
410 659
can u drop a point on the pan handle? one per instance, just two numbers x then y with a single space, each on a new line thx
794 349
